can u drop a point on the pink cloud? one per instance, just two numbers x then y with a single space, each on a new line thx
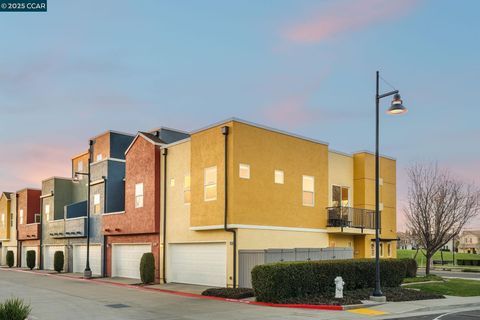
346 16
290 112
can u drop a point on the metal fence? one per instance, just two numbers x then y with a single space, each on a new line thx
248 259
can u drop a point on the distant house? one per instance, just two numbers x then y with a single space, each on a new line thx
406 241
469 242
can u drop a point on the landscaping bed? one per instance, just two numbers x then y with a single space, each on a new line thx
356 297
231 293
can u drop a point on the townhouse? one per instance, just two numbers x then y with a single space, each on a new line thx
469 242
239 194
8 227
136 230
64 221
29 226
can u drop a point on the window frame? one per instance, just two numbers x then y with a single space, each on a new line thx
20 215
304 178
275 176
341 195
242 167
139 196
207 185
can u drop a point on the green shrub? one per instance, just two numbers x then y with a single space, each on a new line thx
147 268
14 309
58 261
31 259
231 293
277 281
411 267
10 258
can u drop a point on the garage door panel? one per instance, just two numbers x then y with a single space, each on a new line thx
49 254
80 258
201 263
126 259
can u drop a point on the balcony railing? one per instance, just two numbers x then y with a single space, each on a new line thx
29 231
347 217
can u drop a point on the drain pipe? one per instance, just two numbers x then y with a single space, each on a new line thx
40 251
234 233
164 264
104 244
19 243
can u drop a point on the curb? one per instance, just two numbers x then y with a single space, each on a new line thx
189 295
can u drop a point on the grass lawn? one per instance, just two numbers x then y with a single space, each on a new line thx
451 287
446 256
430 277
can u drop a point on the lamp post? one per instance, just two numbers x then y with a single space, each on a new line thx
87 273
395 108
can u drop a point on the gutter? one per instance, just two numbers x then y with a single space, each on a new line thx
164 264
225 130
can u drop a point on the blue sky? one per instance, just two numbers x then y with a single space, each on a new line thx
302 66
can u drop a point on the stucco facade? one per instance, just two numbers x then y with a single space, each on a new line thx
29 227
8 228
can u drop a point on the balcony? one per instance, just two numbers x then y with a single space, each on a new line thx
29 231
350 220
69 228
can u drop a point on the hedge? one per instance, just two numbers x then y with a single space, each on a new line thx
411 267
468 262
147 268
31 259
10 258
58 261
278 281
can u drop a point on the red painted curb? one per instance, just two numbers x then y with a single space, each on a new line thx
191 295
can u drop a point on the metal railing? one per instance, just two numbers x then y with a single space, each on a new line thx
351 217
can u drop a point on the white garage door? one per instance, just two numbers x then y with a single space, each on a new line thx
24 256
126 259
80 258
200 263
49 256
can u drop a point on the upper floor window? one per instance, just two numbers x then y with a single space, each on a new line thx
308 184
186 190
172 182
139 195
11 220
389 250
96 203
99 157
340 197
244 171
381 249
37 217
210 184
279 177
80 169
20 218
47 212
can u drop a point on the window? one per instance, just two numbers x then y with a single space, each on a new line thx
279 177
37 217
99 157
340 196
139 195
80 169
47 212
372 249
96 203
186 190
210 184
21 216
308 184
172 182
381 249
389 249
244 171
11 220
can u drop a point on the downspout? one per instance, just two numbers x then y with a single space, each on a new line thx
104 258
40 260
225 226
164 264
19 243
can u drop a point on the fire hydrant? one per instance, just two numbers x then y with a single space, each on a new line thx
339 283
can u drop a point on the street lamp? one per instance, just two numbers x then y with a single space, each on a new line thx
87 273
396 107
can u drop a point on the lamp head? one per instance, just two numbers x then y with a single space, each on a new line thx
397 105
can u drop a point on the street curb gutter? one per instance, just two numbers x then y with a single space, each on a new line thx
190 295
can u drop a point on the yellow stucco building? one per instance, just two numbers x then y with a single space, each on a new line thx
8 229
237 194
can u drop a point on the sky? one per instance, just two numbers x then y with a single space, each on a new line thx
304 66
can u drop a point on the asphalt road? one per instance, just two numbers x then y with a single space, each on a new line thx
463 315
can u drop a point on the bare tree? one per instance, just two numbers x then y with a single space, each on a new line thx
439 206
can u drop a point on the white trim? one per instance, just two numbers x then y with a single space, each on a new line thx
257 227
109 213
99 181
55 177
107 159
165 146
233 119
47 195
341 153
83 244
373 153
200 242
76 218
144 137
